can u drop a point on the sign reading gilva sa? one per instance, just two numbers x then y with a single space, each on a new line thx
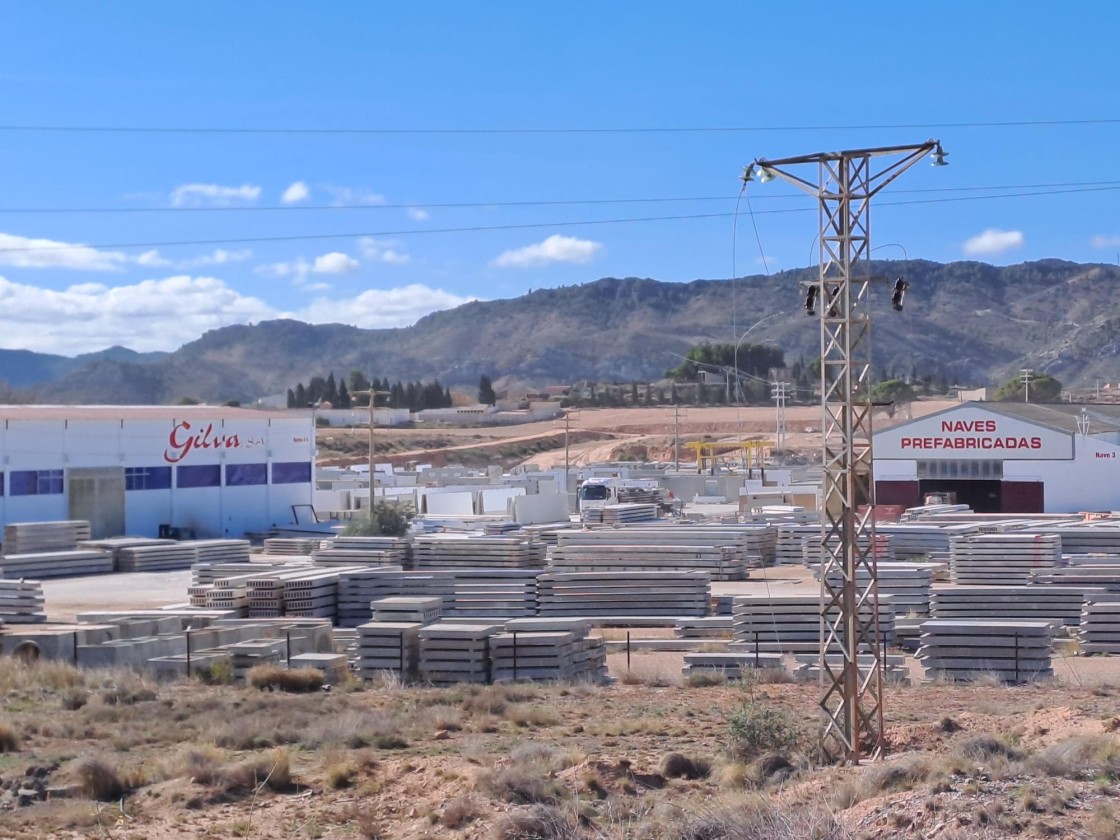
970 432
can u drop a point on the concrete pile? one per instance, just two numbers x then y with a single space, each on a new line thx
456 653
291 546
38 537
1056 605
993 559
620 514
1099 629
447 551
1011 651
791 623
560 653
731 665
21 602
624 594
56 563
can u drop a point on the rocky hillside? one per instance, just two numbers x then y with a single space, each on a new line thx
971 322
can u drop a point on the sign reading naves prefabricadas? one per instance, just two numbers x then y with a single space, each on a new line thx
972 432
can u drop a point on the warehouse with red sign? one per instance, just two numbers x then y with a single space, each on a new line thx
1004 458
206 471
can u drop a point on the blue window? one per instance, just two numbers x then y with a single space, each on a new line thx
147 478
291 472
203 475
36 482
243 475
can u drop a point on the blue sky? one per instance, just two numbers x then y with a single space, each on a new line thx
453 66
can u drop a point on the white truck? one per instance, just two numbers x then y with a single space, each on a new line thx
599 492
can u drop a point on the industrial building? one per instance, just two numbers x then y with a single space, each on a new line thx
208 471
1004 458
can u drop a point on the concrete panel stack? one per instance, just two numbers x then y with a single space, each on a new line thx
456 653
445 551
39 537
731 666
1103 537
156 558
915 541
56 563
291 546
721 562
1057 605
202 573
894 667
1097 570
704 627
547 655
493 593
410 610
907 584
1011 651
244 656
220 597
385 646
620 514
624 594
791 623
790 543
312 596
333 665
813 552
1099 630
399 545
358 587
21 602
114 545
994 559
220 551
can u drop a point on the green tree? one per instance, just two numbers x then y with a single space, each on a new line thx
330 390
486 394
301 396
386 519
893 390
344 400
291 398
1043 388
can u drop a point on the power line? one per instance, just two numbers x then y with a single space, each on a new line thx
528 225
133 129
452 205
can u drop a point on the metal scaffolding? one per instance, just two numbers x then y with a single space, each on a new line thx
850 655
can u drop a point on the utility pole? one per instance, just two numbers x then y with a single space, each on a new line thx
676 437
851 700
1025 376
779 396
373 395
568 416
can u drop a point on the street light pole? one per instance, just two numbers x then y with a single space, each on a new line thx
735 353
373 395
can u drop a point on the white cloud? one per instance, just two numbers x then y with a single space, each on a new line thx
213 195
418 214
381 308
298 191
352 195
383 250
26 252
149 315
335 262
554 249
152 259
1106 241
220 256
993 241
166 313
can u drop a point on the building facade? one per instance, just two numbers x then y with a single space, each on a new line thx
209 471
1004 457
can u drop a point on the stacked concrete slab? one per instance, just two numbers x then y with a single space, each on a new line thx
623 594
1010 558
1078 538
918 540
358 587
56 563
21 602
893 667
456 653
813 550
547 655
1011 651
790 545
446 551
907 584
156 558
38 537
113 545
620 514
1099 629
732 666
292 546
791 623
388 646
1057 605
220 551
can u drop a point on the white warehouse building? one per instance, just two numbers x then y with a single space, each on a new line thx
1004 458
209 471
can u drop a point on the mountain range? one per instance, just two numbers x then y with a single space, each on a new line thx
970 322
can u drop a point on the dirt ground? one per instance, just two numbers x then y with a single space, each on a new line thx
612 432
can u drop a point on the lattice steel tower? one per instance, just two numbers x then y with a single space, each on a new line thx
851 660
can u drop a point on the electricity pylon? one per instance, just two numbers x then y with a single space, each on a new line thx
851 699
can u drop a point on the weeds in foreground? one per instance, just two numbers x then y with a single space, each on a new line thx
755 728
276 678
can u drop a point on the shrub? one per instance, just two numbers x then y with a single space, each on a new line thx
522 785
540 822
678 766
340 773
98 779
386 519
458 812
754 729
218 672
201 765
9 741
127 689
276 677
272 771
984 747
705 679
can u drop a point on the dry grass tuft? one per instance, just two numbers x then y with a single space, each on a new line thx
705 679
539 822
277 678
987 747
458 812
98 779
126 689
272 770
9 740
200 764
1082 756
339 772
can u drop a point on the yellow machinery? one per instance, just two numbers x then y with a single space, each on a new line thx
707 453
